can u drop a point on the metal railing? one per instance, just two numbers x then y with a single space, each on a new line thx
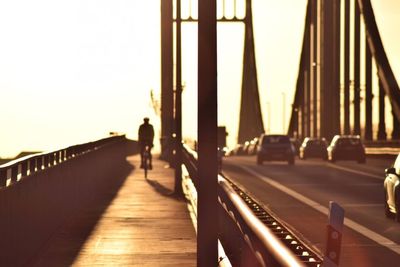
15 170
249 235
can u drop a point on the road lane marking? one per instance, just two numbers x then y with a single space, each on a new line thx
381 240
355 171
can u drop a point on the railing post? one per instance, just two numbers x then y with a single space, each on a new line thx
32 165
14 173
24 168
39 163
3 177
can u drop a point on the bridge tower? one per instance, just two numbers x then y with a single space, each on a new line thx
317 109
250 122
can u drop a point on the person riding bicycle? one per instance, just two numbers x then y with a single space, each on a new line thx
146 137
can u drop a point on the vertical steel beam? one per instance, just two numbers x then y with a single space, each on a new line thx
368 92
330 68
346 100
382 125
308 75
336 127
207 246
396 127
356 122
306 98
314 66
178 104
167 94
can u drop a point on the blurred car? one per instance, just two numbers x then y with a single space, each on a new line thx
346 147
246 148
296 143
253 147
275 147
392 190
238 150
314 148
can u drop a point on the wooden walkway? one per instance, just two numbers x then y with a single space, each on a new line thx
135 223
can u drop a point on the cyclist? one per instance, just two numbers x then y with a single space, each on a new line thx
146 137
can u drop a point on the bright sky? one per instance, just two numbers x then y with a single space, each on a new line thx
72 71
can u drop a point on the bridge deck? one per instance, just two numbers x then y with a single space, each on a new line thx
142 225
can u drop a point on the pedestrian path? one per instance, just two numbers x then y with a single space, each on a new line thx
140 224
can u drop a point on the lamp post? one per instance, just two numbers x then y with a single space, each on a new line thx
283 112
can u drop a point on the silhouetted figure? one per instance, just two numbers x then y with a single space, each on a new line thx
146 137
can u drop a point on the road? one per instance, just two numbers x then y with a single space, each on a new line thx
300 194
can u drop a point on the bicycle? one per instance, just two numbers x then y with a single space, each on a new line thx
146 160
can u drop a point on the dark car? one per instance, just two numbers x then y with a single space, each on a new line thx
296 143
346 147
392 190
314 148
275 147
253 147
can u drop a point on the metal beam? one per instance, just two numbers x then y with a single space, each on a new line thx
207 242
167 94
382 124
178 104
356 92
314 66
368 93
346 100
330 68
385 72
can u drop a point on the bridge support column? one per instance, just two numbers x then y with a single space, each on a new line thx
346 100
330 68
314 66
167 94
368 93
207 240
251 122
382 125
306 104
356 129
396 127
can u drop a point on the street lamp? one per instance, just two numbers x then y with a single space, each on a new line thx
269 117
283 112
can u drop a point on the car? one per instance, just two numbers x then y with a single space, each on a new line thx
238 150
313 148
392 190
346 147
253 146
296 143
275 147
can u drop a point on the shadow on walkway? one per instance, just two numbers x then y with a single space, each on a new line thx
65 245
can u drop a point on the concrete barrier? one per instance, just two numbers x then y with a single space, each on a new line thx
33 208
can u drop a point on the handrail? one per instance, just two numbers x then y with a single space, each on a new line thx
278 251
272 248
13 171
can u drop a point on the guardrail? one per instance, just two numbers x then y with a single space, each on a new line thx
13 171
248 234
40 192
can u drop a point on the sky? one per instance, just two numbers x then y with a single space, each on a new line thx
72 71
